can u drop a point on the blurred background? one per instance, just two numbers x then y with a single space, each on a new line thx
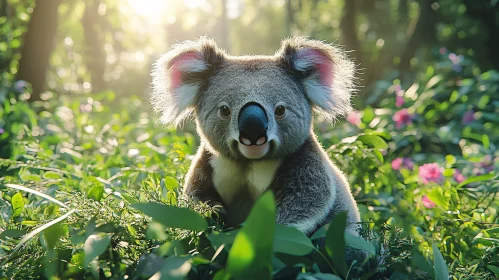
76 46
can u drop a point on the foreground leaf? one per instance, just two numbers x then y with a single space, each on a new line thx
174 268
251 254
53 234
360 243
291 241
94 246
173 217
441 272
335 242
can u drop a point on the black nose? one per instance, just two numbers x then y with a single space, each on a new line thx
252 125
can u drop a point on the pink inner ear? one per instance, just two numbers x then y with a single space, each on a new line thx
321 62
176 68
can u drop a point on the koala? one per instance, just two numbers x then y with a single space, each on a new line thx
254 117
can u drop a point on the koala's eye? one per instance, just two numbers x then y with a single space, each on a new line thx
224 111
280 111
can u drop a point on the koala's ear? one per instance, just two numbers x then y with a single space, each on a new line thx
179 75
325 71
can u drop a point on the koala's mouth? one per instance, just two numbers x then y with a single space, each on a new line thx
254 151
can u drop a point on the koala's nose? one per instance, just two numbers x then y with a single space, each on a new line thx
252 124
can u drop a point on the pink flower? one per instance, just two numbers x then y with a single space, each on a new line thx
402 118
427 202
2 131
402 162
442 50
399 101
430 172
397 163
468 117
458 176
354 117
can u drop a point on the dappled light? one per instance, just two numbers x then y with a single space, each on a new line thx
98 139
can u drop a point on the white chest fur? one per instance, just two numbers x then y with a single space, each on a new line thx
229 178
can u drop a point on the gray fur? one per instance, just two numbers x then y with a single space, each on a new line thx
309 189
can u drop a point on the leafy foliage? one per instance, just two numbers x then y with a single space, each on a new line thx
90 186
99 168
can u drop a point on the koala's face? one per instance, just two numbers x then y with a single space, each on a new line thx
253 111
252 107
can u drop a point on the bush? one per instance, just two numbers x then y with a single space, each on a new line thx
423 172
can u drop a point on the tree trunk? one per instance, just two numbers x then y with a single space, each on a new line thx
38 45
290 17
424 33
3 8
95 55
224 27
486 13
348 27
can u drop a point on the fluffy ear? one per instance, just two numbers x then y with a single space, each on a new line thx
325 71
179 75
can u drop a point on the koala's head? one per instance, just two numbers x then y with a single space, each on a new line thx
252 107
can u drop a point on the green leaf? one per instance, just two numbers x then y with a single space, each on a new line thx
171 198
291 241
411 179
173 217
437 196
335 242
317 276
418 261
170 183
480 178
156 231
359 243
17 202
373 141
223 238
321 232
94 246
52 234
51 175
12 233
494 269
485 141
251 254
26 176
96 192
174 268
379 155
368 115
441 272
